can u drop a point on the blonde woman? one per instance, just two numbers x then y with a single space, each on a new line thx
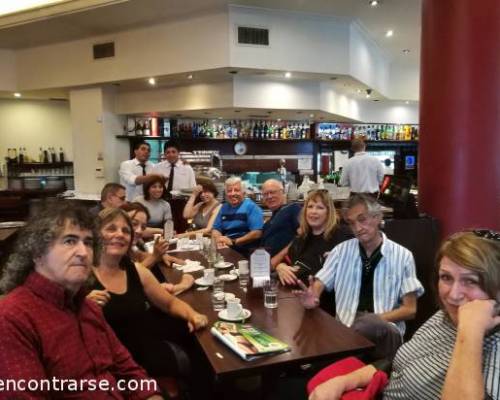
319 233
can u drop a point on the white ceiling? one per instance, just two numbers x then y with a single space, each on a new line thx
84 18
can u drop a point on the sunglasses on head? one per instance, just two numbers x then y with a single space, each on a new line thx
487 234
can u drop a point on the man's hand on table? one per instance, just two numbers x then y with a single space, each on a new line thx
224 241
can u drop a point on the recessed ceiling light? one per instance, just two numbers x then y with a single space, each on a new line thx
407 102
288 74
190 76
17 94
406 51
152 81
373 3
389 33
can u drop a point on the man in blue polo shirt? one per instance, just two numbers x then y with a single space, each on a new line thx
282 227
239 222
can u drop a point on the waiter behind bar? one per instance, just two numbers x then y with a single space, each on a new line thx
363 173
180 176
134 173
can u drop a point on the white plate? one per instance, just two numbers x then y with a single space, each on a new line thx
223 315
235 272
190 268
228 277
227 264
202 282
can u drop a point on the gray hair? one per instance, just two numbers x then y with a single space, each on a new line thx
35 239
372 205
233 180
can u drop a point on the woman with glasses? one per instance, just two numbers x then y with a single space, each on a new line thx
319 233
456 353
158 259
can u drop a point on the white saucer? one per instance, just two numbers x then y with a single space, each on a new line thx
227 264
191 268
202 282
223 315
228 277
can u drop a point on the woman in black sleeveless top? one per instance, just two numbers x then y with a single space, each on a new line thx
125 291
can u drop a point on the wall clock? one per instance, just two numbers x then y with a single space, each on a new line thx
240 148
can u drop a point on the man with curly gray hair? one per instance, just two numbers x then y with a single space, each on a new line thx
54 342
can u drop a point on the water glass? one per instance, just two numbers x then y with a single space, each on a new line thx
243 274
271 294
218 301
218 285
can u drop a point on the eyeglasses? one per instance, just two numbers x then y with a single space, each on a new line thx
487 234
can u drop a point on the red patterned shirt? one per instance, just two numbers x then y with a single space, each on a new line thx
46 336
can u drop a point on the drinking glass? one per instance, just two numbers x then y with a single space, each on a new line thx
218 301
271 294
243 274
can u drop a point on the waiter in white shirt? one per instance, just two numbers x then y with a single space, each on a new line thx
179 176
134 173
362 173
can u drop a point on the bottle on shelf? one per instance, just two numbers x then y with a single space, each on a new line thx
40 155
53 155
21 155
61 155
46 156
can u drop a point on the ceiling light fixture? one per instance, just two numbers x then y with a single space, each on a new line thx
288 74
389 33
152 81
17 94
190 76
368 93
373 3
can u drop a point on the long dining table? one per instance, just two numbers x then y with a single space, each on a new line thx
313 335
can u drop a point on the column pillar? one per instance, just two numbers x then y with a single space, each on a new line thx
459 151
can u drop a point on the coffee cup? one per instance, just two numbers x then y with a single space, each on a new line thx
209 275
234 308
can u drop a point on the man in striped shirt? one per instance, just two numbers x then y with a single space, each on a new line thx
374 280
